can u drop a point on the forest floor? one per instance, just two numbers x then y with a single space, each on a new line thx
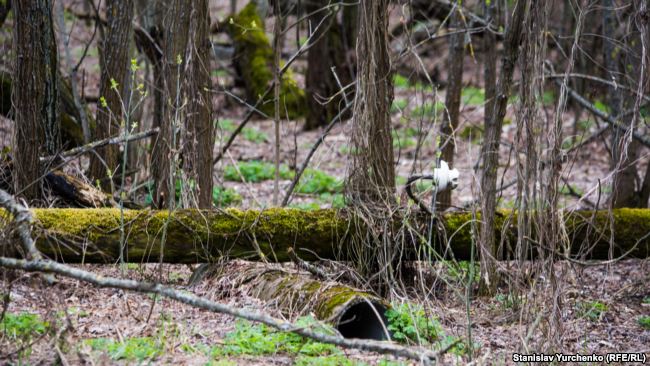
601 308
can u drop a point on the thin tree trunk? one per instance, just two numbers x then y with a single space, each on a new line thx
35 93
113 86
165 155
490 150
452 99
199 133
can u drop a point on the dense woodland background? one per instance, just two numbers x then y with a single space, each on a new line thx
319 125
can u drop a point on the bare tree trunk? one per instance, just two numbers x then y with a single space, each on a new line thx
452 98
35 92
198 140
624 149
370 181
490 150
371 174
326 66
165 154
113 87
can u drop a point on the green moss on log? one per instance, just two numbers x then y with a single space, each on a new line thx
254 60
195 236
191 235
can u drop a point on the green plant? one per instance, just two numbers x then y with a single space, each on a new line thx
602 106
329 360
315 181
644 322
473 96
548 98
460 271
402 138
22 328
428 109
249 133
401 82
646 300
398 105
592 310
254 171
257 340
409 323
223 197
133 348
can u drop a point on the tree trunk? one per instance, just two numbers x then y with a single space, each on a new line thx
113 87
35 93
326 56
624 152
491 142
166 155
371 175
452 98
195 236
199 132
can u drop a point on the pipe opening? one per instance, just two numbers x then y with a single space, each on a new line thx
360 321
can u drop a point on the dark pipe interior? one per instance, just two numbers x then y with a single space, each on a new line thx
361 321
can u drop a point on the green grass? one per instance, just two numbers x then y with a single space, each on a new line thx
260 340
644 322
224 197
254 171
592 310
248 133
398 105
404 137
22 329
401 82
314 181
428 109
132 349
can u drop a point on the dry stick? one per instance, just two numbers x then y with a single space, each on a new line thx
23 218
100 143
277 45
261 98
47 266
318 142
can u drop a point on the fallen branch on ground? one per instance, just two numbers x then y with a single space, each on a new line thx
418 354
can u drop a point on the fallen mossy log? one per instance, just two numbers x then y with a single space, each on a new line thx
353 312
194 236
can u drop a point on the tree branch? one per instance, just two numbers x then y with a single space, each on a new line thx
418 354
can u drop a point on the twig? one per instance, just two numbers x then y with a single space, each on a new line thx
300 263
100 143
414 353
23 219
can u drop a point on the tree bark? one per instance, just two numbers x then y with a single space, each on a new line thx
371 175
490 150
113 87
452 98
35 93
199 132
326 55
165 154
195 236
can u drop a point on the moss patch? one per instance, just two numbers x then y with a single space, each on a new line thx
254 58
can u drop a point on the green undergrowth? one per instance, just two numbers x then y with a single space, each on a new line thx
22 329
473 96
410 324
591 310
248 133
404 83
314 181
254 171
644 322
138 349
